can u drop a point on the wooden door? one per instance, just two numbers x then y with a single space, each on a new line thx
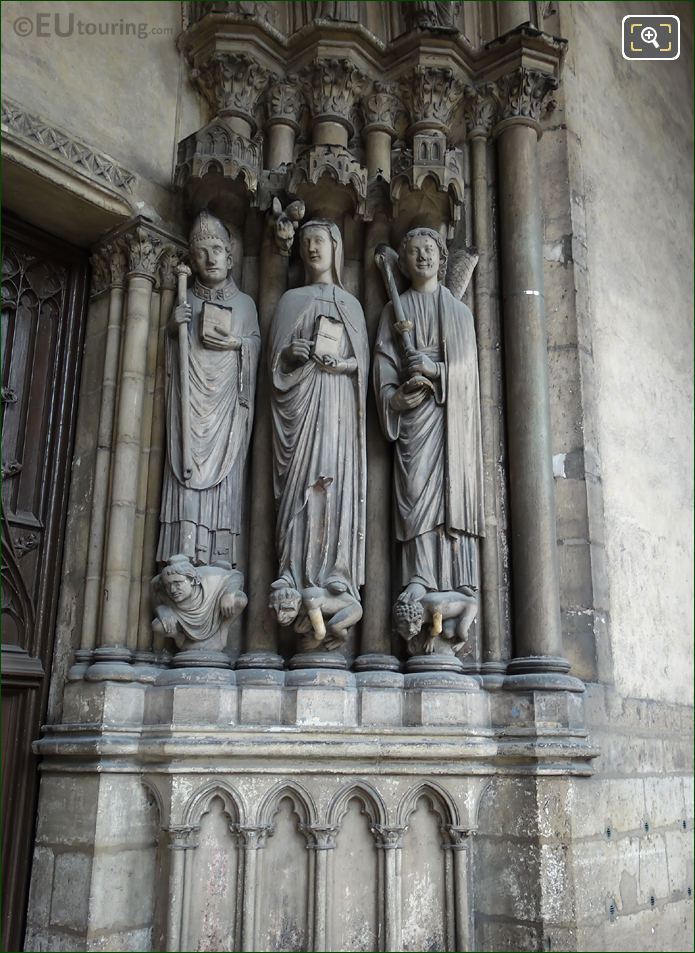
43 302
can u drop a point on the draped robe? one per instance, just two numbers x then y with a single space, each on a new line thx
201 518
319 445
438 470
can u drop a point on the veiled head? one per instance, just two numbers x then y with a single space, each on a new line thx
321 246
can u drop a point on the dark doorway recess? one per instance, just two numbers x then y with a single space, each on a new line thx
44 285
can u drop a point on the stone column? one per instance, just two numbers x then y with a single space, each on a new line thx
139 641
539 661
480 113
332 87
253 838
146 651
261 642
110 658
284 104
457 840
379 109
375 647
390 841
321 840
116 261
182 840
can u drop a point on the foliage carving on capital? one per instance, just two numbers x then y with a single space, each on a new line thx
144 251
333 84
232 83
171 257
183 837
101 272
432 91
388 838
284 102
320 837
480 109
521 93
380 106
456 838
253 836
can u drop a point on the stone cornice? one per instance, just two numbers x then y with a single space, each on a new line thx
18 122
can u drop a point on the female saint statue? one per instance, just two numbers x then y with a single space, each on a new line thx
319 361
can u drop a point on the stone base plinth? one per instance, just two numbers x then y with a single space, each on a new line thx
177 815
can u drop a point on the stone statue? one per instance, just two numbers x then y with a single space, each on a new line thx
426 384
322 618
319 361
430 14
448 614
196 606
211 380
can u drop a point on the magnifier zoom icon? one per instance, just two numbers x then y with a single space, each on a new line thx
648 35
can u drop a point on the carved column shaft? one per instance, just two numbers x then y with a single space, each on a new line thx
138 641
534 547
156 462
97 525
459 845
182 841
252 840
284 103
390 841
144 253
321 841
376 599
494 648
261 626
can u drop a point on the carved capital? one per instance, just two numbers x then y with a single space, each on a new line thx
167 266
388 838
319 837
284 102
521 93
332 85
380 107
480 110
456 838
252 836
183 837
232 83
101 272
144 249
432 92
118 261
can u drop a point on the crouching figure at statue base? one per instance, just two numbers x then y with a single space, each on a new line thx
196 606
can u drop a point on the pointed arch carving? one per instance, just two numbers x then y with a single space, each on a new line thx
303 804
439 800
199 803
370 799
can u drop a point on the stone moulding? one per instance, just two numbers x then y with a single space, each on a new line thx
73 151
336 163
217 148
